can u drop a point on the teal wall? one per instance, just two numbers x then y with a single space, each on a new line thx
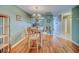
19 26
57 25
15 26
75 24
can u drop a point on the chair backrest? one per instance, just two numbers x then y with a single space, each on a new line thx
33 33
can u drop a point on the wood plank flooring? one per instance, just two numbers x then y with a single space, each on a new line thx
22 47
55 45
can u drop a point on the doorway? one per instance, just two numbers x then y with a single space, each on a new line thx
4 33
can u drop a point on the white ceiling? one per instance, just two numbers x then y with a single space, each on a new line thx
43 9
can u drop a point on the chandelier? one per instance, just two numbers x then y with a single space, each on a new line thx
36 15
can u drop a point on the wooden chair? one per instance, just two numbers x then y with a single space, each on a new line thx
34 38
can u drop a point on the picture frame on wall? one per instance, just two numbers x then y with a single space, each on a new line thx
18 17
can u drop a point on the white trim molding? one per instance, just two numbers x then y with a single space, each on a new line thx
17 43
75 43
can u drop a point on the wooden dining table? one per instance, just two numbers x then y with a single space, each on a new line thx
37 38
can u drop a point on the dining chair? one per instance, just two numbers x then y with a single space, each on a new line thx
34 38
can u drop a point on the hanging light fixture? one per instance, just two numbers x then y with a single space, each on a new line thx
36 15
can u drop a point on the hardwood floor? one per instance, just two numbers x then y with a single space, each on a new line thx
54 45
22 47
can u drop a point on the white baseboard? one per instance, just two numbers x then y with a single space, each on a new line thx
60 36
17 42
75 43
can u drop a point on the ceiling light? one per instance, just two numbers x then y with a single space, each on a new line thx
36 15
